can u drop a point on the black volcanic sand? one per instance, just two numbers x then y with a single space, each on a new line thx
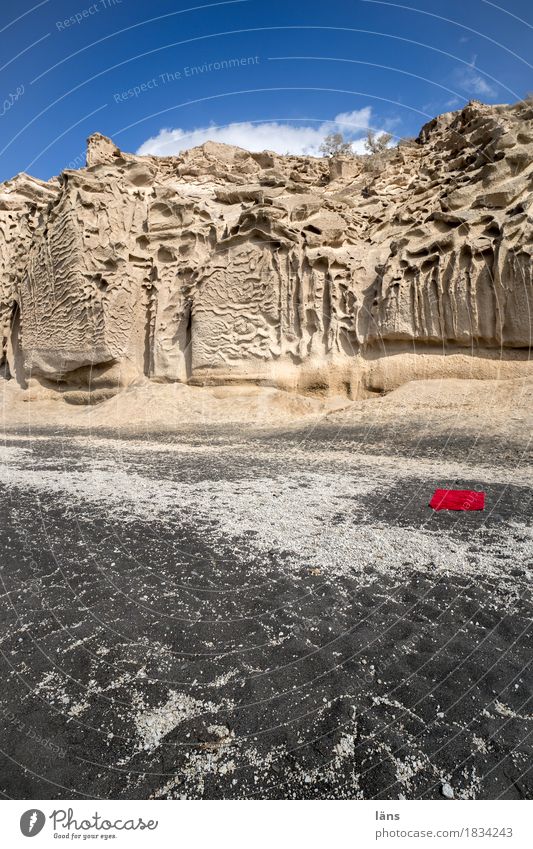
172 648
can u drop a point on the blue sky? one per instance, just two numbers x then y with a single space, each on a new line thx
161 76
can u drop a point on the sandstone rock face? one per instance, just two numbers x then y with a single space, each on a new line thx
220 265
22 203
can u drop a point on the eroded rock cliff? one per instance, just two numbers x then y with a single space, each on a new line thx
219 265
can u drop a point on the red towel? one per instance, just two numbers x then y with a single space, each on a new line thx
457 499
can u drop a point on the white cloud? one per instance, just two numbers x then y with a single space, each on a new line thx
470 79
350 122
301 139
